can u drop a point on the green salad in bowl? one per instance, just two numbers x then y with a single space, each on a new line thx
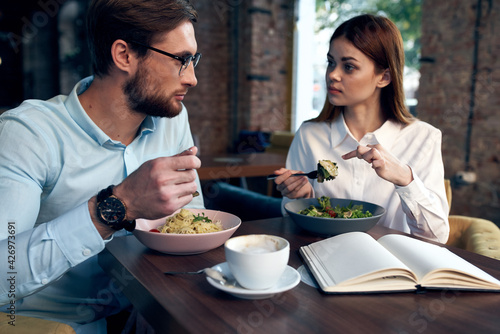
331 216
326 209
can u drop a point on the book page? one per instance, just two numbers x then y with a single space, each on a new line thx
426 259
346 257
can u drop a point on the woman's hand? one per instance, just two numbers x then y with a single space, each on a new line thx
384 163
293 187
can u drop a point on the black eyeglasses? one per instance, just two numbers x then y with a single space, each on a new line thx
185 61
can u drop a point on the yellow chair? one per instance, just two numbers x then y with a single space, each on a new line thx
30 325
280 142
473 234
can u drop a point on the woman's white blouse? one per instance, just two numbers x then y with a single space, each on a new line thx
421 208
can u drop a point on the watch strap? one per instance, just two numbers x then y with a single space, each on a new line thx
105 193
129 225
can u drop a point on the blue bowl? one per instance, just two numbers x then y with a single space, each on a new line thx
333 226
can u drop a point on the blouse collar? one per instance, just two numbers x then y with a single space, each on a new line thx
385 135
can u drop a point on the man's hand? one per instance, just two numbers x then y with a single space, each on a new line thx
160 186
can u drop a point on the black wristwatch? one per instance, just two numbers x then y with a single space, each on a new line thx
112 211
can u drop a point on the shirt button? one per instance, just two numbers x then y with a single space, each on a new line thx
86 252
45 281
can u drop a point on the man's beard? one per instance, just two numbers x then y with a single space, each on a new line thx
152 104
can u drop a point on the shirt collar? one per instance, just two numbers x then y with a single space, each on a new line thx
76 111
385 135
340 131
148 125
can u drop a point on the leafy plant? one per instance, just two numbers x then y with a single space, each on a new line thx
406 14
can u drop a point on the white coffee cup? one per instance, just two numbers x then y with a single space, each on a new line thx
257 261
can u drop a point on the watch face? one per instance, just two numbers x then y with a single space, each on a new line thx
112 210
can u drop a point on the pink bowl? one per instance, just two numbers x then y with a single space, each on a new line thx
186 244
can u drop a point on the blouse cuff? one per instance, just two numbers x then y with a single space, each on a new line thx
412 193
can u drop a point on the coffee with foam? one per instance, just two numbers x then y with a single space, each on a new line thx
257 261
265 245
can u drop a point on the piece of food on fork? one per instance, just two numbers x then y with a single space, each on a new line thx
327 170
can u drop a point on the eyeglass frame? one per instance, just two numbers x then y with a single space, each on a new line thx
185 61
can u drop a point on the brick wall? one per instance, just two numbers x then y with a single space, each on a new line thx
208 102
243 78
265 74
459 94
244 75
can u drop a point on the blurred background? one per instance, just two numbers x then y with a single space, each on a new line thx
263 69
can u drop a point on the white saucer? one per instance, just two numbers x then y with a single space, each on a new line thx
287 281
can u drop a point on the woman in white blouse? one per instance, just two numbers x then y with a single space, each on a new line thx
384 154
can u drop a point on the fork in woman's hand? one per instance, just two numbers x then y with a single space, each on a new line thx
311 175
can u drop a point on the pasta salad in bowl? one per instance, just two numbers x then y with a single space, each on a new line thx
187 231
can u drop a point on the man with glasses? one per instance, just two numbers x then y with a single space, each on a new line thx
77 170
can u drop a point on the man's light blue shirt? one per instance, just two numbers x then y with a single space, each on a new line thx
53 159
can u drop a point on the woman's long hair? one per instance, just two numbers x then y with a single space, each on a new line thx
380 40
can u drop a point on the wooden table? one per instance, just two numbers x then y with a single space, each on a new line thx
189 304
226 166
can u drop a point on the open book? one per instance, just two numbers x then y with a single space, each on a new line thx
357 263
